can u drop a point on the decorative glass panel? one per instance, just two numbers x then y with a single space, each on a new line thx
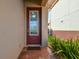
34 23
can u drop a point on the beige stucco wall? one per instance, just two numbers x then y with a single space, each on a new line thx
11 28
44 23
44 26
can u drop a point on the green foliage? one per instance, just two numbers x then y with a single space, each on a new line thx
68 49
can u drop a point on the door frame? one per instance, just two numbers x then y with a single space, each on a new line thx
40 28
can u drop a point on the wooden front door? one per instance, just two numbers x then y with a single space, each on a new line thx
33 26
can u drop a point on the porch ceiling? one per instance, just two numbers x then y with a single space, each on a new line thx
48 3
38 2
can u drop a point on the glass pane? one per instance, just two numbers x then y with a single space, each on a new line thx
34 22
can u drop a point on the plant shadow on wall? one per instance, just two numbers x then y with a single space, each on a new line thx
65 49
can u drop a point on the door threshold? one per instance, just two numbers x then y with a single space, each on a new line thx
33 45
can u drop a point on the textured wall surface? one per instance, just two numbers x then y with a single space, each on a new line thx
11 28
66 34
65 15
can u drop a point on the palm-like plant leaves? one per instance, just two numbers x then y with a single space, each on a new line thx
68 49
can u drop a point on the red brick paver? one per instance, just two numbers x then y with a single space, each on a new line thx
36 53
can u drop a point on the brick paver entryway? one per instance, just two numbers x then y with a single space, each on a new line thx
36 53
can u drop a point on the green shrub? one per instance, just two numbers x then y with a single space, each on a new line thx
68 49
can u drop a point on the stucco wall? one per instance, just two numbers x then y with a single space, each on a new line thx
44 23
65 19
11 28
44 26
65 15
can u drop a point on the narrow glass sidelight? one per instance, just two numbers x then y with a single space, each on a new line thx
34 23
